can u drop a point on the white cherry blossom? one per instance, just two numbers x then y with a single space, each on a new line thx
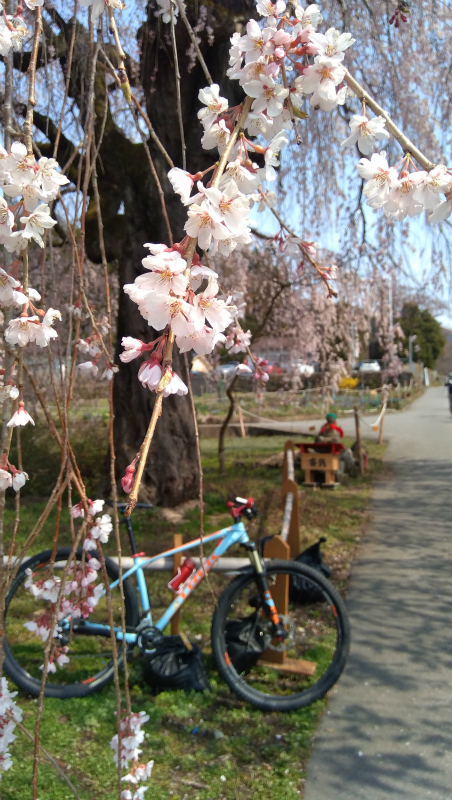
36 223
22 330
88 368
98 6
402 200
321 78
182 182
308 17
379 177
109 372
215 105
20 166
18 480
6 41
202 341
268 173
332 44
29 190
257 42
237 177
199 273
166 275
234 209
365 133
204 221
163 310
268 9
207 306
436 182
175 386
44 332
50 178
6 480
269 96
442 211
217 136
6 220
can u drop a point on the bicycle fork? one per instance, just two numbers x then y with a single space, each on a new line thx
270 609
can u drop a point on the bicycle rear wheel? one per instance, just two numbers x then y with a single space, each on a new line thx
90 665
281 676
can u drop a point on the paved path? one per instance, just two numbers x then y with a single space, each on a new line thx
387 732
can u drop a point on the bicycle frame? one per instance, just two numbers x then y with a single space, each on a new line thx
235 534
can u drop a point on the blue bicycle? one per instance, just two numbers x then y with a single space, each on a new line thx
279 633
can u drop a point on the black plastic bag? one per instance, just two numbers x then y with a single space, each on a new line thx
172 665
246 640
301 589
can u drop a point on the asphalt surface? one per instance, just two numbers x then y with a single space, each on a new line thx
387 732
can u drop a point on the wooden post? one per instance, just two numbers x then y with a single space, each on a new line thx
288 472
293 536
380 434
175 622
242 427
358 441
290 485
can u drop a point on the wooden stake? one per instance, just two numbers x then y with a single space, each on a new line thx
358 441
242 427
380 435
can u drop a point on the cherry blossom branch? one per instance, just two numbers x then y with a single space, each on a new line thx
305 253
150 128
124 81
178 97
28 124
167 356
181 8
400 137
114 491
68 79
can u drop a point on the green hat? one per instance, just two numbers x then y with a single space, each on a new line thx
331 417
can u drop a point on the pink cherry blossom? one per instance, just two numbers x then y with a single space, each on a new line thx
150 374
134 348
20 418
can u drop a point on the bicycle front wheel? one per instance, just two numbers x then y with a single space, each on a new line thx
281 676
89 650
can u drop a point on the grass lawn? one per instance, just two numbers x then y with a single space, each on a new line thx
207 745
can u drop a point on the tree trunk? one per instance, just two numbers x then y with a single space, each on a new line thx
171 474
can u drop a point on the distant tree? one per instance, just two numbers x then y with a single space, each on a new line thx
430 339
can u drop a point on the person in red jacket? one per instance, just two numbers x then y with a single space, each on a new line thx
330 432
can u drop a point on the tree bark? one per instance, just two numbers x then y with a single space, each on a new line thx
171 474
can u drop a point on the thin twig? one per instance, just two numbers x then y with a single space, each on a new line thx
178 97
194 41
42 749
